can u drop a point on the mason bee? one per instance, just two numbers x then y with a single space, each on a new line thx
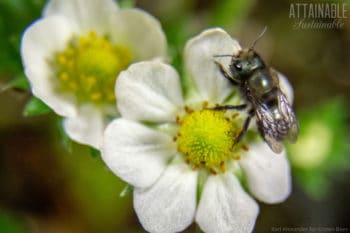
259 87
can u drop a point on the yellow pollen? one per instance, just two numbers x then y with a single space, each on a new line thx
206 139
88 68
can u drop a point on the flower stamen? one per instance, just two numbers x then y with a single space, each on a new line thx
245 147
206 138
236 157
88 68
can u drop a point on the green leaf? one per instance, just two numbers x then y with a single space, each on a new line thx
16 15
126 3
198 229
126 191
229 13
20 82
64 139
35 107
94 152
11 224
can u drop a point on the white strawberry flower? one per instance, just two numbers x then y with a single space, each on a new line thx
74 53
179 155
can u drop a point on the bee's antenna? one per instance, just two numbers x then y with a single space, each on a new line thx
224 55
258 38
233 57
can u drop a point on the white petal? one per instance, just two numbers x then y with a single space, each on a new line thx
199 60
149 91
140 32
286 87
39 43
136 153
87 126
168 205
268 174
225 207
86 14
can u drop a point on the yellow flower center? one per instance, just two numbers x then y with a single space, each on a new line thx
89 66
206 138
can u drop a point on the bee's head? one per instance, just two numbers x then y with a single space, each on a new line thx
245 63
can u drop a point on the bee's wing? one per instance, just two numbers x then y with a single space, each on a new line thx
275 146
268 128
289 117
286 110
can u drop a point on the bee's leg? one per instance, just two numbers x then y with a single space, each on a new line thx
245 127
224 72
230 107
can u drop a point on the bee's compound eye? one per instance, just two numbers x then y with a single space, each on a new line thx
238 66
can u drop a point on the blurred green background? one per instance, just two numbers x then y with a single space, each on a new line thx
49 184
